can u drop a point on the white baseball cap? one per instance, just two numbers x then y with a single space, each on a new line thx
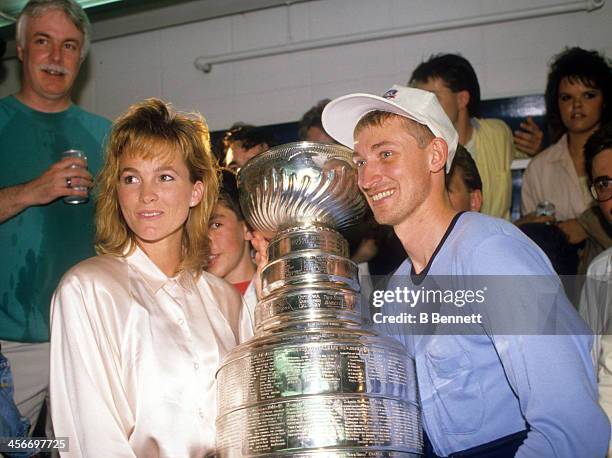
341 115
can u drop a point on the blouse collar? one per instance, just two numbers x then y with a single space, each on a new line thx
153 275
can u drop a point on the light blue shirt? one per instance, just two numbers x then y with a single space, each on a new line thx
526 365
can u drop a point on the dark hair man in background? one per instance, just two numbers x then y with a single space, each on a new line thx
452 78
242 142
310 127
463 182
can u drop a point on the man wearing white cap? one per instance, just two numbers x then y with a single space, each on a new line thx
488 392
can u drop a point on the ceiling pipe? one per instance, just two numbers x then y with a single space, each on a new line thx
205 63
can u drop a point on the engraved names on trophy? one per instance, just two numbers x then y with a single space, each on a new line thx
307 267
309 368
348 421
309 299
317 238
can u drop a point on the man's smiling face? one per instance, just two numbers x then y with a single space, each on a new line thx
51 56
393 171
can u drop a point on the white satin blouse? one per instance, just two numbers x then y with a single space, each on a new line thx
134 355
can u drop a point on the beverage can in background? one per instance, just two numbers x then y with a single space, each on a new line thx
545 209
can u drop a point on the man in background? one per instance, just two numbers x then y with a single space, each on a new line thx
453 79
596 298
41 236
242 142
463 182
310 127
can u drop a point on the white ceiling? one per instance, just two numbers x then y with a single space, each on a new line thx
180 12
133 16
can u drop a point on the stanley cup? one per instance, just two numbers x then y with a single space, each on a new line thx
312 382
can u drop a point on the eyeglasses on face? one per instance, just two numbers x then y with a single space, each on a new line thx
601 189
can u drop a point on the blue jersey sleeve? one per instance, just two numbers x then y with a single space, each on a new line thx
544 348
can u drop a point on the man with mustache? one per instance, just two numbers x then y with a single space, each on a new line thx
40 235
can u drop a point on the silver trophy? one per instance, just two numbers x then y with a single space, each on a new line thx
312 382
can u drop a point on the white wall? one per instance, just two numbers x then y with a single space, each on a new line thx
510 58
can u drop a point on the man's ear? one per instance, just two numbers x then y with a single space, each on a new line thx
246 232
20 53
463 99
438 153
475 200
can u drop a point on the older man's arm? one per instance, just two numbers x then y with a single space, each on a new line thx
51 185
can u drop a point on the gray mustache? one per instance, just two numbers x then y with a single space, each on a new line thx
55 68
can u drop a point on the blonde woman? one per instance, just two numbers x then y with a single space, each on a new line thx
139 330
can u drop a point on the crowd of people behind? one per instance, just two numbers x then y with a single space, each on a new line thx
122 307
577 98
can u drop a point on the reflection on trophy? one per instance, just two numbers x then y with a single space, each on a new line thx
313 381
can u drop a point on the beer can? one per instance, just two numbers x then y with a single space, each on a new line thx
73 200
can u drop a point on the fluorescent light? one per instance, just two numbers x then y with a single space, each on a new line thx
10 9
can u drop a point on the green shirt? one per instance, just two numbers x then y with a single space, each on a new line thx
38 245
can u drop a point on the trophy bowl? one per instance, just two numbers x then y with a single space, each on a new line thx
312 382
299 184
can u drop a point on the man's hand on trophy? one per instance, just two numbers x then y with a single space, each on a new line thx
260 244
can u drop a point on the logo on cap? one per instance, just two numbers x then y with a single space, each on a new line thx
390 94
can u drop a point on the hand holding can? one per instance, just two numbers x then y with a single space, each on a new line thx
75 199
545 208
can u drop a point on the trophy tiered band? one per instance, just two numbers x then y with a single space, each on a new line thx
312 382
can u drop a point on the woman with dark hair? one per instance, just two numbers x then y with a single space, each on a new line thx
578 100
582 68
138 331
